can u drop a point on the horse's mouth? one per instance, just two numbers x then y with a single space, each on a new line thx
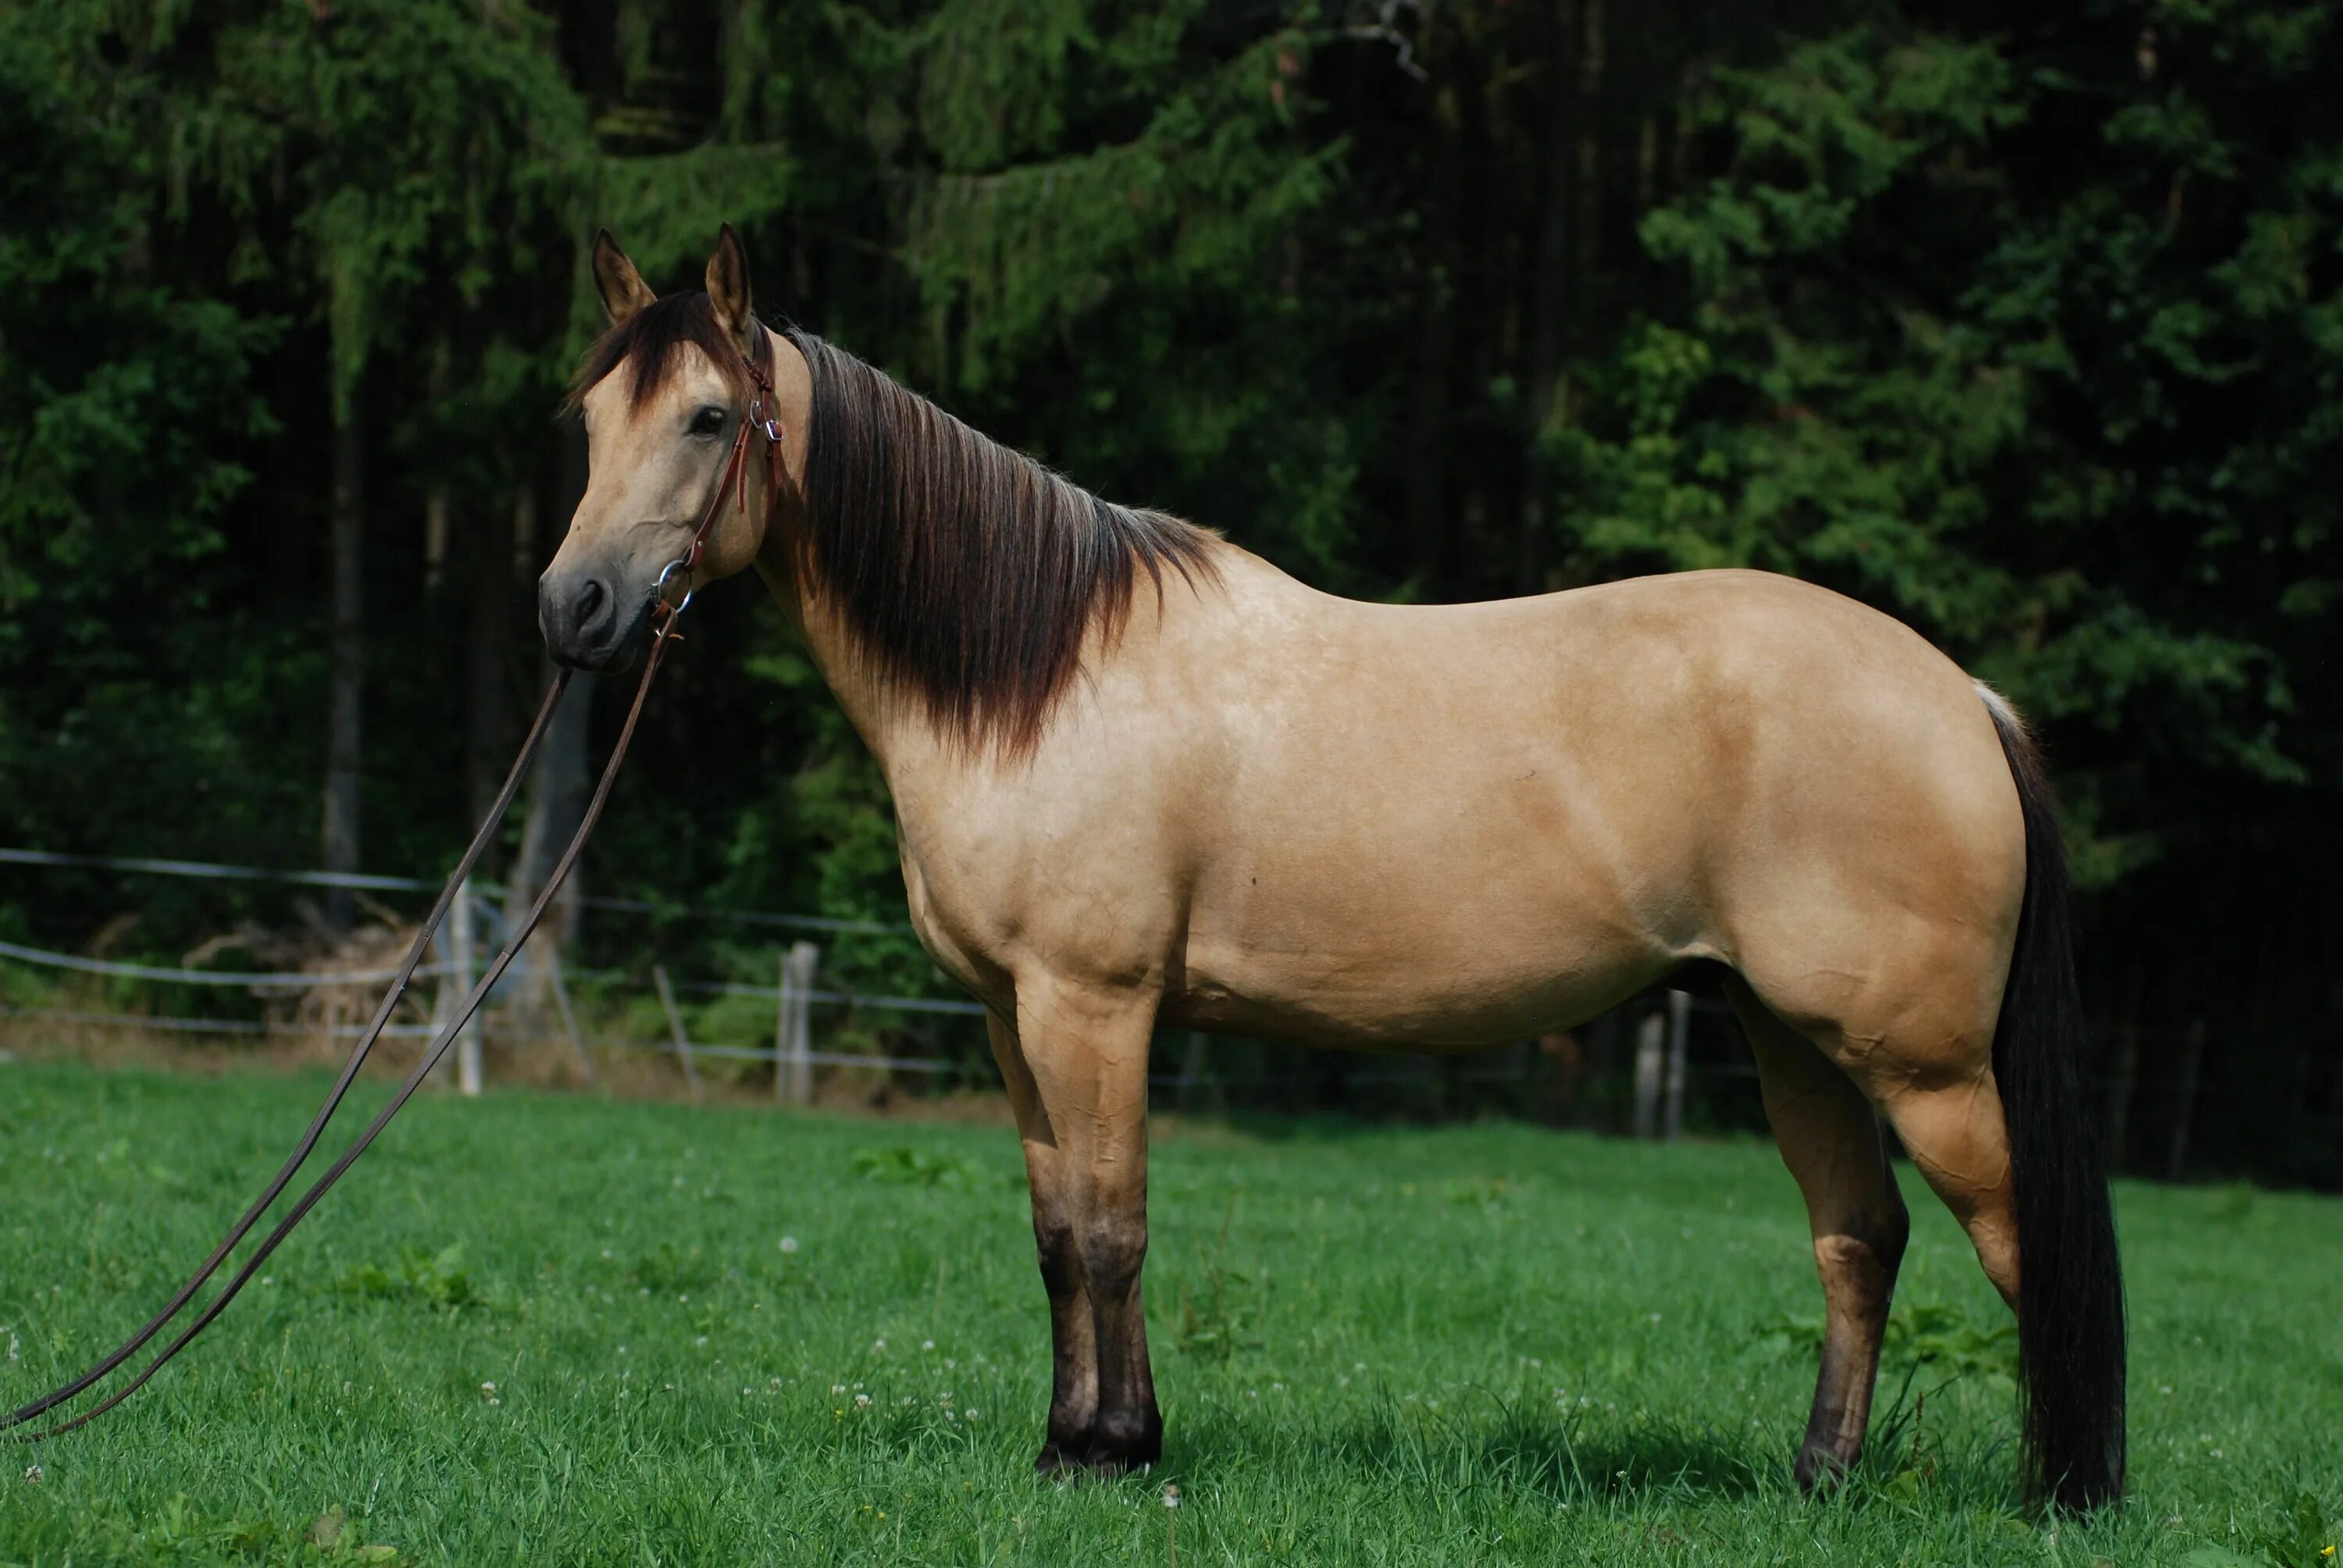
615 652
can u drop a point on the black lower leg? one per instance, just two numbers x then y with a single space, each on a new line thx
1073 1373
1127 1432
1858 1269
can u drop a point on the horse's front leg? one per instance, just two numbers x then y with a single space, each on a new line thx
1076 1068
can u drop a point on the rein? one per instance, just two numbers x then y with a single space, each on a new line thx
671 593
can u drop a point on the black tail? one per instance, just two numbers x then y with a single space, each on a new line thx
2070 1308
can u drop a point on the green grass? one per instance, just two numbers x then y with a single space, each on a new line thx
1479 1345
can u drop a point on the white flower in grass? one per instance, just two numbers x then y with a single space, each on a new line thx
32 1472
838 1388
927 1344
862 1401
878 1347
788 1243
1172 1496
970 1413
701 1341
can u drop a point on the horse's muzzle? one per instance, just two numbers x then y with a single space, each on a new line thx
588 620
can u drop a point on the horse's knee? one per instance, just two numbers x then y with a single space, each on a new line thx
1858 1272
1869 1240
1114 1250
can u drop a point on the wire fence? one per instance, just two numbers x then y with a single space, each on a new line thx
1662 1069
1639 1064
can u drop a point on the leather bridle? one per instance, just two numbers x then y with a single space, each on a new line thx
761 419
669 604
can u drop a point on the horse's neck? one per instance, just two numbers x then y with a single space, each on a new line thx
889 723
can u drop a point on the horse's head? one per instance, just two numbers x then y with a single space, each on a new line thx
664 394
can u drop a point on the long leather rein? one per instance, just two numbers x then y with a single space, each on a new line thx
671 594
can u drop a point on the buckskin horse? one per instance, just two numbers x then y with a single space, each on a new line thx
1143 778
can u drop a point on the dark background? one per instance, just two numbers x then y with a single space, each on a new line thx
2020 323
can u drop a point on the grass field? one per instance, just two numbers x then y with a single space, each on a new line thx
561 1329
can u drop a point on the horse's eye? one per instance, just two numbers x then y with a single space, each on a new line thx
708 421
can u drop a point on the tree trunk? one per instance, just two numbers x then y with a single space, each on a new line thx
557 804
1553 290
435 497
2184 1116
488 655
1589 223
346 652
1429 507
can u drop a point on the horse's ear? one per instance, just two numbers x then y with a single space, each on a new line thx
727 286
624 292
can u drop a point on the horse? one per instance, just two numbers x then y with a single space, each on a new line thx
1144 779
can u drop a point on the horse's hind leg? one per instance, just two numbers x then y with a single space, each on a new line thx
1955 1131
1076 1065
1830 1140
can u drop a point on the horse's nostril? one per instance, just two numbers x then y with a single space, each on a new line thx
591 598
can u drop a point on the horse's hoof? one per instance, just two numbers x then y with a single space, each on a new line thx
1054 1463
1820 1471
1125 1441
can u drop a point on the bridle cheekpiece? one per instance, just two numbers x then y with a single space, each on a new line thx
672 592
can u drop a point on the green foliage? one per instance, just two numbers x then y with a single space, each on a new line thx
906 1167
433 1279
1937 1337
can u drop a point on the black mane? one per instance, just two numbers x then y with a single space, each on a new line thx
966 570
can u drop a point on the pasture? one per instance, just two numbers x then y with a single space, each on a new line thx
539 1328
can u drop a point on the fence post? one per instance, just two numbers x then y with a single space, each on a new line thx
1679 1034
1651 1045
797 972
467 1041
1191 1069
2192 1060
2122 1077
675 1029
568 1013
781 1027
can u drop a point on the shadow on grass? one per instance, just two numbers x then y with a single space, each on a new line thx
1565 1460
1573 1460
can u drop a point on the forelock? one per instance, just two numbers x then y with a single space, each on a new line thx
649 348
